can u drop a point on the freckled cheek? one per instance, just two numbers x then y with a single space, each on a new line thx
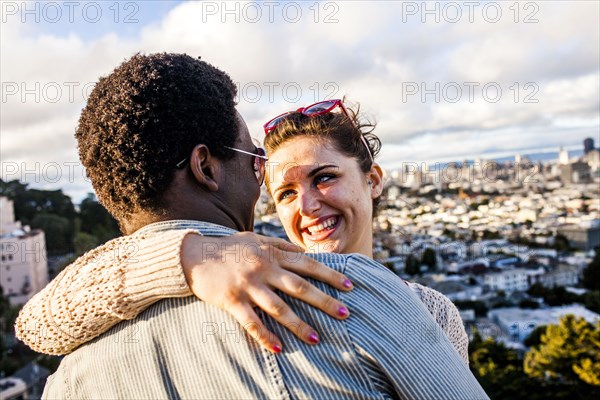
287 215
335 196
339 197
351 197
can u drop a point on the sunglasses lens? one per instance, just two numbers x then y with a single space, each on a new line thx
320 108
276 121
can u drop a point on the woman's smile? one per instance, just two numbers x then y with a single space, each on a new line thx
321 229
322 197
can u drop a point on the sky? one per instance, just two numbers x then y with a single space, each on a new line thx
444 81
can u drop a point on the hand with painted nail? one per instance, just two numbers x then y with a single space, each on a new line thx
243 271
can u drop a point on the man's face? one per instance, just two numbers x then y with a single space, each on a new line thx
240 186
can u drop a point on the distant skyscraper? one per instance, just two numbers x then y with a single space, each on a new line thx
563 156
588 145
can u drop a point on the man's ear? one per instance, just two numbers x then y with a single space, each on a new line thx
375 176
204 167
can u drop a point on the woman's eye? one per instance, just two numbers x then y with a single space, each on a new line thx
323 178
284 195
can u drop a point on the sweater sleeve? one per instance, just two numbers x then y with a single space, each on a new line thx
111 283
447 316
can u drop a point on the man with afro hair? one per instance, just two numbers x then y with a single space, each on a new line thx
144 118
169 156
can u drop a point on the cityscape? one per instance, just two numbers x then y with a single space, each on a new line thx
488 114
510 243
515 245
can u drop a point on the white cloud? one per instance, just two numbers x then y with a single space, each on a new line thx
372 52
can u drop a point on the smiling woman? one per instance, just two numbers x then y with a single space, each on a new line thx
323 178
325 184
322 197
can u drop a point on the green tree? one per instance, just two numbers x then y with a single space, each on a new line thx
527 303
96 221
537 290
30 202
488 357
568 353
491 235
58 232
558 296
8 314
561 243
450 234
535 337
84 242
429 258
592 301
591 274
479 307
555 296
500 372
412 265
40 209
5 311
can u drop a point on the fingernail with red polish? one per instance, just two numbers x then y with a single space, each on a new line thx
313 338
347 283
342 311
277 348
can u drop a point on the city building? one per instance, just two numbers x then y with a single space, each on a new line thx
12 389
518 323
23 262
508 281
458 290
34 376
562 275
575 172
592 157
585 236
563 156
588 145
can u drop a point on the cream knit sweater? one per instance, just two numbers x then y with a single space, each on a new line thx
120 279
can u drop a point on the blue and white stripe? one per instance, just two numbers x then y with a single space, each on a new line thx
390 347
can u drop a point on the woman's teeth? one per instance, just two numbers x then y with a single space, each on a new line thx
325 225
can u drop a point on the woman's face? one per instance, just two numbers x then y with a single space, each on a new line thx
322 197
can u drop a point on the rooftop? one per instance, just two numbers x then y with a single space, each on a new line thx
543 316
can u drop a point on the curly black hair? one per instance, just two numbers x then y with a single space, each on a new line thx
144 118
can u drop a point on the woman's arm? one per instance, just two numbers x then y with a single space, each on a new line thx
104 286
120 279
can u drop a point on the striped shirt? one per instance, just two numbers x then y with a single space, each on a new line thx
390 347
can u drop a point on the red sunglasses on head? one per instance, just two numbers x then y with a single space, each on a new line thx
320 108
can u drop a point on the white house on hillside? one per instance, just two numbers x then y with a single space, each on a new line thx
23 263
